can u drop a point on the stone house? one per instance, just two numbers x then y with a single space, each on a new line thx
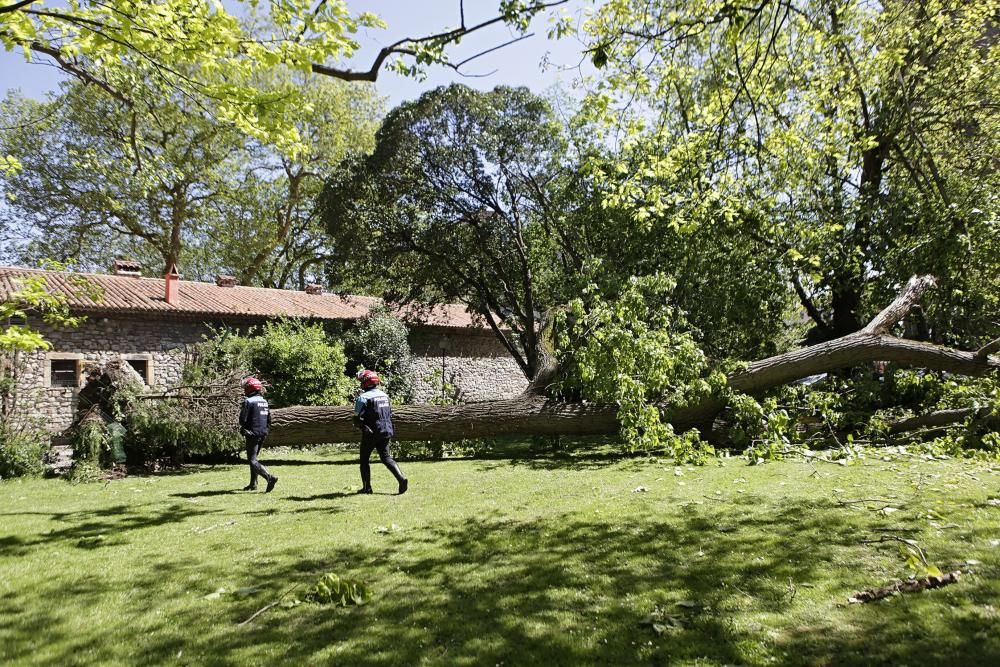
152 322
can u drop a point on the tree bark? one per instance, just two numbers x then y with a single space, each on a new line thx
938 418
533 414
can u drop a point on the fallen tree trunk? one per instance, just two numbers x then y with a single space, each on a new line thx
532 414
938 418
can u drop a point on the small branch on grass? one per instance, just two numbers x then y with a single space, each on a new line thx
902 540
267 607
218 525
908 586
865 500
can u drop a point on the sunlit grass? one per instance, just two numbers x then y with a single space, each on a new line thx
518 560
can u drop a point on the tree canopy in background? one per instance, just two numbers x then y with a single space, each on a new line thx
451 204
138 51
175 187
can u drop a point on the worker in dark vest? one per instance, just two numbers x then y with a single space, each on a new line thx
373 415
255 422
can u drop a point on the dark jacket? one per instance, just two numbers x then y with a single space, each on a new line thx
255 416
374 414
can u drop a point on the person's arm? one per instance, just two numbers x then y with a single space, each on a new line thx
244 416
359 410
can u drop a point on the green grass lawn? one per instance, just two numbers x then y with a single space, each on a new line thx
513 560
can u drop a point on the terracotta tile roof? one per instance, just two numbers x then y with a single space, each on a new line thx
146 296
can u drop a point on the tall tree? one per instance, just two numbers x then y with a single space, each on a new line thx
95 184
184 190
451 204
854 139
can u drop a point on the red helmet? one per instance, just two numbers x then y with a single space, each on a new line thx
368 379
252 384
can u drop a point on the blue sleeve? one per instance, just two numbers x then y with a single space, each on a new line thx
243 413
359 405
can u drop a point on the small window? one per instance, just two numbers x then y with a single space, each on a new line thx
63 373
141 367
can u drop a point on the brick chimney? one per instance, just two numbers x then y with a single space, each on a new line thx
170 281
127 267
225 281
313 288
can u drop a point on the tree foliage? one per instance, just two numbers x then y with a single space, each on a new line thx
298 362
138 51
380 342
451 206
853 139
97 183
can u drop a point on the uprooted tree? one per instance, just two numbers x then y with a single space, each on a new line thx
535 413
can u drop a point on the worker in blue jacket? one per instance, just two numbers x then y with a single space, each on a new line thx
373 415
255 422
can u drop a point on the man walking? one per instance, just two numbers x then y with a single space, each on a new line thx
373 415
255 422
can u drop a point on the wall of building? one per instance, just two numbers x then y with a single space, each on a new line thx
161 344
476 366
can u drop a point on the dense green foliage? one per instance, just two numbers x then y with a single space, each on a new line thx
450 204
637 352
171 431
852 141
299 362
180 188
22 448
380 342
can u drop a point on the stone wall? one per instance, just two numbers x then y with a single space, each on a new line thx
161 345
476 365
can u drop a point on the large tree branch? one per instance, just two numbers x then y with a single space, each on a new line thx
404 46
536 415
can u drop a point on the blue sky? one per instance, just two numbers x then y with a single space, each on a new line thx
518 64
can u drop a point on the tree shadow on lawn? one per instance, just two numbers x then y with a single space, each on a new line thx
103 527
568 592
558 590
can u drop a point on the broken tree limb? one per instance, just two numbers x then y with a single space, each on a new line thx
938 418
988 349
900 306
533 414
908 586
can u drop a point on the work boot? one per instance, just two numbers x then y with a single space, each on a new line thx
366 489
250 487
270 484
403 485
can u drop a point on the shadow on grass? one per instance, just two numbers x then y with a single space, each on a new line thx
560 590
89 529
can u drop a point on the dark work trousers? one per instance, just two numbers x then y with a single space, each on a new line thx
254 443
368 443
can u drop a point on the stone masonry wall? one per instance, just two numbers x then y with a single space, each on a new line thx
476 365
161 344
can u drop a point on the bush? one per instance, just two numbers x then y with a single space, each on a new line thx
380 342
299 362
22 450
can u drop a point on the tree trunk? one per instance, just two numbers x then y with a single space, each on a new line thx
532 414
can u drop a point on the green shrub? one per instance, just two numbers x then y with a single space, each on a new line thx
302 365
22 450
380 342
